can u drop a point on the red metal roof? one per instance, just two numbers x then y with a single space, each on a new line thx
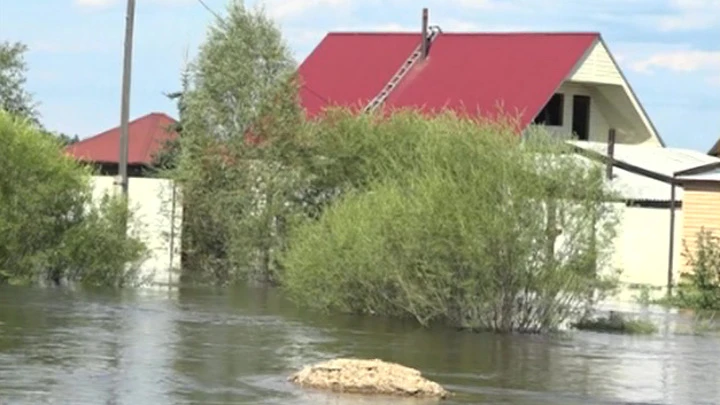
350 69
146 136
468 73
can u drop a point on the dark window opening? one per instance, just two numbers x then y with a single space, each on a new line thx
552 113
581 117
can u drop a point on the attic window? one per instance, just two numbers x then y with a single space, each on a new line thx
552 113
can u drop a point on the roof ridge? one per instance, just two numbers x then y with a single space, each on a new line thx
160 113
469 33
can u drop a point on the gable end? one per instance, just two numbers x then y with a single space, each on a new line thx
597 67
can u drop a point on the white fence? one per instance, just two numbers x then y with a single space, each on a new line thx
157 222
642 248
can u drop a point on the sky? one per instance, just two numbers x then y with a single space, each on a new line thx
668 49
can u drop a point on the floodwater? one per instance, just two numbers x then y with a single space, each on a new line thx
59 346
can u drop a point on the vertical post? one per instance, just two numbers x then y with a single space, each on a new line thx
424 43
610 153
671 249
125 102
172 233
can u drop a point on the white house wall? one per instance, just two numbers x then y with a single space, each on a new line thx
609 108
598 124
151 202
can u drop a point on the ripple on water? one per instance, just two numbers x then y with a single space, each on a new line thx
215 348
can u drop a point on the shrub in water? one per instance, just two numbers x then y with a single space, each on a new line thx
49 228
451 220
616 323
699 288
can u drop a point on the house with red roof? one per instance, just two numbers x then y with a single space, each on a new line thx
147 136
568 82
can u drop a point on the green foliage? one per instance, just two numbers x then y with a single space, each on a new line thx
97 251
239 90
616 323
644 297
14 98
449 220
700 287
49 230
166 160
648 294
65 139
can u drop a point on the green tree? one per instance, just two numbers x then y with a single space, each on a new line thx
239 111
14 98
50 229
66 139
450 220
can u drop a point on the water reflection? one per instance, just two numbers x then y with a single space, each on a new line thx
222 347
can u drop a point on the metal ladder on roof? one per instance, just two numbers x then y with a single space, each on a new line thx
404 69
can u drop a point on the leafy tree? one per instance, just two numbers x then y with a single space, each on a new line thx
14 98
450 220
50 230
238 111
66 139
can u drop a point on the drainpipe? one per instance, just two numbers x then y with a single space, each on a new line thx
610 153
424 32
671 249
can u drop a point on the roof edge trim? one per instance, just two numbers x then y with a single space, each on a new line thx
633 95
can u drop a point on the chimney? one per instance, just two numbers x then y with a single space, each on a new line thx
610 153
424 43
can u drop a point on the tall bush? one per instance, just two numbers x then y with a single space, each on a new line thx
450 220
239 112
49 228
699 288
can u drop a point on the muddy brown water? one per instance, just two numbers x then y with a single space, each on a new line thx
202 346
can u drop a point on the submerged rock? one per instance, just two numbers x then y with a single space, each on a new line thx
374 377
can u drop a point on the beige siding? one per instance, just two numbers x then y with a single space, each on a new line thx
597 67
701 204
614 97
642 247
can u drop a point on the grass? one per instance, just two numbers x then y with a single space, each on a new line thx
616 323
